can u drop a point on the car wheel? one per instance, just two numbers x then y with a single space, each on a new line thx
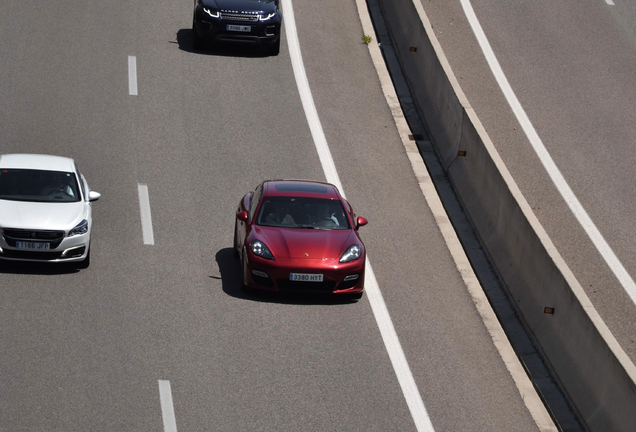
274 48
244 287
236 249
197 42
87 261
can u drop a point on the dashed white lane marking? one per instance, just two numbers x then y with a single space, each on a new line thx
167 407
380 311
553 171
609 2
146 217
132 75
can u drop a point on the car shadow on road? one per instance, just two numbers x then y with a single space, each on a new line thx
185 42
36 268
232 281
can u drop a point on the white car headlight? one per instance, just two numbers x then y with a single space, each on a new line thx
213 14
259 249
80 228
265 17
351 254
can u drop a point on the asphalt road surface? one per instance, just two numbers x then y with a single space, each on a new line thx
86 350
571 65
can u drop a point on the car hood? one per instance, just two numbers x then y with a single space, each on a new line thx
265 6
35 215
306 243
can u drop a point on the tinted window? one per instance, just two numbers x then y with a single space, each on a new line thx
301 212
38 186
301 188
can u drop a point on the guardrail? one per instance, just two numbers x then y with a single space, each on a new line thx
590 366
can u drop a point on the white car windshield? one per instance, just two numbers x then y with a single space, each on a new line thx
38 185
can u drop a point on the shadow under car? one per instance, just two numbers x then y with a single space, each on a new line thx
232 281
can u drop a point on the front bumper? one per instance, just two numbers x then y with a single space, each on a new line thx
273 275
70 249
216 29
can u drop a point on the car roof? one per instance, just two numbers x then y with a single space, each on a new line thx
37 162
302 188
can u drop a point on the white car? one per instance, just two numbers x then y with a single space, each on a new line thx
45 210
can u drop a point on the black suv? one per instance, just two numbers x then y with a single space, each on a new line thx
251 21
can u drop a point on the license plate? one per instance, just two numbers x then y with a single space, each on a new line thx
32 245
238 28
305 277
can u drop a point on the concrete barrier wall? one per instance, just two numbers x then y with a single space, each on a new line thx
592 368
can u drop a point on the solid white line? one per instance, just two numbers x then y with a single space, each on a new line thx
609 2
553 171
167 407
146 217
378 306
132 75
526 388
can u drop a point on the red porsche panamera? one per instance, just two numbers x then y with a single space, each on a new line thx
300 236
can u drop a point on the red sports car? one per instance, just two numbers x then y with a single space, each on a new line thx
301 236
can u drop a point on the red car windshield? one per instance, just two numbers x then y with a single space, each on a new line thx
302 212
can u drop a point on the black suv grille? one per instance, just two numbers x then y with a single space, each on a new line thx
239 17
12 235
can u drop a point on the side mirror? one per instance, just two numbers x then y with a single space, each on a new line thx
361 222
242 216
93 196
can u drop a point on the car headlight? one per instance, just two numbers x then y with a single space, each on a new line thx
259 249
265 17
213 14
351 254
80 228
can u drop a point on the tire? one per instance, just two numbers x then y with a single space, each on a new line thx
244 287
87 261
274 48
236 252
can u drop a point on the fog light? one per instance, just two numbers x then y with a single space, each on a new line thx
351 277
74 252
259 273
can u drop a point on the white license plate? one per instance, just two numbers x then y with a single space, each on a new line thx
238 28
32 245
305 277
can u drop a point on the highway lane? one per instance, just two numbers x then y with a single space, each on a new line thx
570 64
85 350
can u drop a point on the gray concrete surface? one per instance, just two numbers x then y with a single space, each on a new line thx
592 367
569 64
84 350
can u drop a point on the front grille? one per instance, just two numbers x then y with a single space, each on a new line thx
43 256
239 17
11 235
297 286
